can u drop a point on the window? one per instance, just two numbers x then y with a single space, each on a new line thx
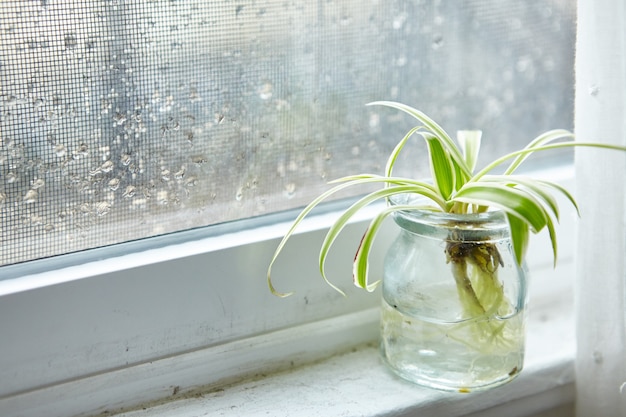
123 120
128 119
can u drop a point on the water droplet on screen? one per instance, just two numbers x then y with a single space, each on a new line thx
81 150
239 194
399 20
374 120
105 106
133 169
38 183
107 166
125 159
290 190
189 136
162 197
129 191
165 174
523 64
3 199
31 196
437 41
179 175
60 150
266 91
119 119
70 41
49 228
11 177
191 181
10 101
193 95
198 159
102 208
594 90
114 184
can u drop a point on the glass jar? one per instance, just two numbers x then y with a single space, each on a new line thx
454 297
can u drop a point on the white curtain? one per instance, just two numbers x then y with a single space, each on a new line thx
601 175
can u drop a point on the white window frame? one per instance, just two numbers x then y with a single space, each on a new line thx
139 327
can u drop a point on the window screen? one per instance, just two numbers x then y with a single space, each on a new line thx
125 119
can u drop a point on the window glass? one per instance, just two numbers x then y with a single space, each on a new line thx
125 119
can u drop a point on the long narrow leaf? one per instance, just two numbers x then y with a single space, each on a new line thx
534 187
433 127
542 139
441 167
391 161
514 201
360 268
531 184
553 240
563 191
469 141
559 145
297 222
341 222
429 190
421 188
546 184
519 237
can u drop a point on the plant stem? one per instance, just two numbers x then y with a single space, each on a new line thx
474 267
469 300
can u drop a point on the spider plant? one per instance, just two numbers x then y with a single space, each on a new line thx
455 187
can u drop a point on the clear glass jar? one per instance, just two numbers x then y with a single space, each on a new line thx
454 298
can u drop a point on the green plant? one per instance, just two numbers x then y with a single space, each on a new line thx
529 205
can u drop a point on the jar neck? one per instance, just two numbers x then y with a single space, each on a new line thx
482 227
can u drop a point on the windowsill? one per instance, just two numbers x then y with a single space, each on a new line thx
357 383
194 319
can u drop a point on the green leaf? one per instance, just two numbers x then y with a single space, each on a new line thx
441 168
528 151
519 237
460 178
424 189
427 190
532 185
512 200
292 229
553 240
522 206
469 141
391 161
297 222
542 139
360 267
341 222
433 127
562 190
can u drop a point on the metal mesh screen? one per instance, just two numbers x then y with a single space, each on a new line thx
125 119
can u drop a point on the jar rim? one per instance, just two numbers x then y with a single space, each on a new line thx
491 220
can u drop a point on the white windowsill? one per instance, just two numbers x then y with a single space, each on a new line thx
357 383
